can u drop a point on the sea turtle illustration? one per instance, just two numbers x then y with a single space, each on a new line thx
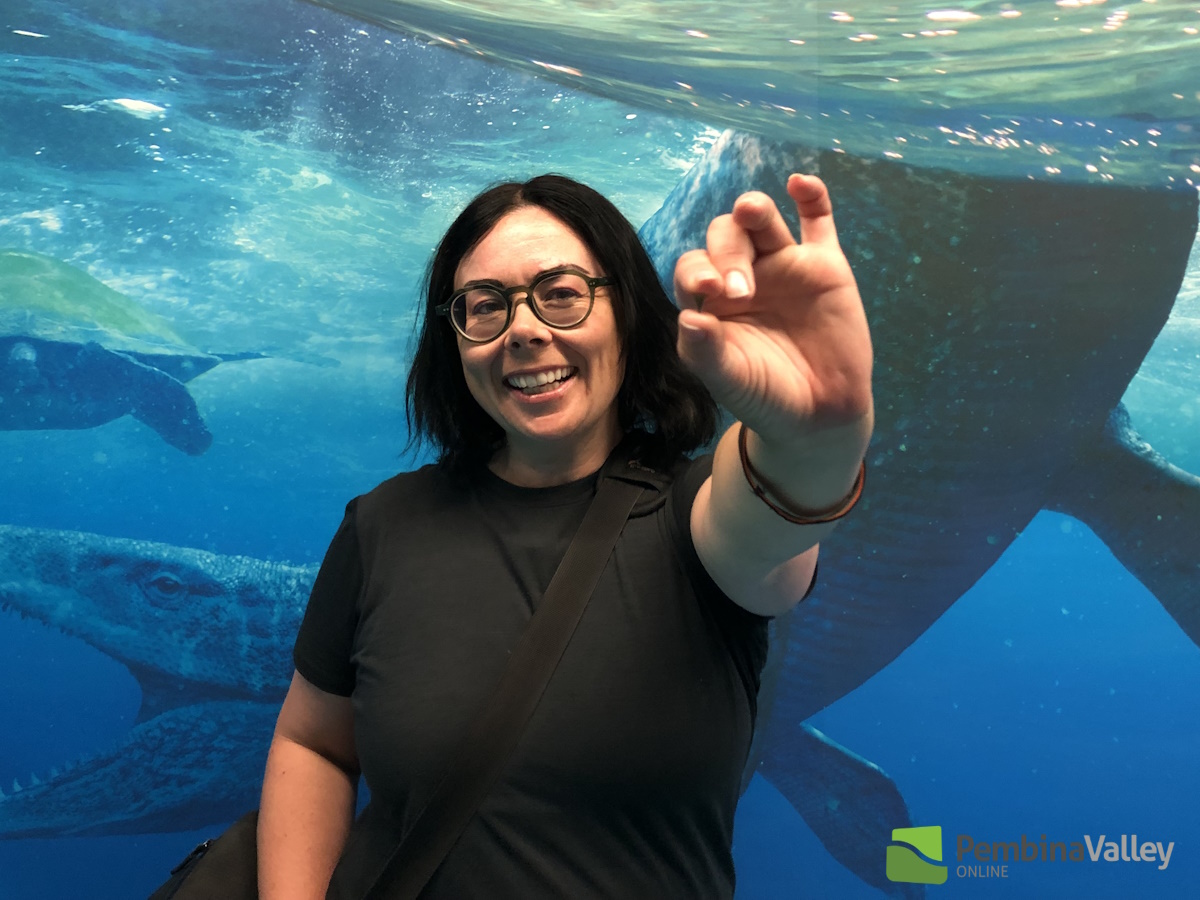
74 353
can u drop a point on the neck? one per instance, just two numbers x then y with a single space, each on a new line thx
539 464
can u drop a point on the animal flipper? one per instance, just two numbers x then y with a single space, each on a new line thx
1146 511
160 401
850 804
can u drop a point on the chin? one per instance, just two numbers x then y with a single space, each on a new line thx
549 429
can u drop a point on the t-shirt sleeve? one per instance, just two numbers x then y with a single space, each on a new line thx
686 485
744 632
324 645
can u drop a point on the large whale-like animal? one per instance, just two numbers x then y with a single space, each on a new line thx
1008 319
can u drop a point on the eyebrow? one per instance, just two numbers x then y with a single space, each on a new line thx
553 270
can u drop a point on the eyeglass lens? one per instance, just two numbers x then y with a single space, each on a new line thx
561 299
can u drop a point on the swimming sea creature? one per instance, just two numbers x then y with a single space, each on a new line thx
208 638
74 353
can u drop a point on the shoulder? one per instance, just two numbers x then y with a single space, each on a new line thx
429 498
422 487
666 479
688 473
670 492
683 479
428 477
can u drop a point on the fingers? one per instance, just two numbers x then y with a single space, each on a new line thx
696 279
731 252
757 215
755 228
725 268
814 208
701 346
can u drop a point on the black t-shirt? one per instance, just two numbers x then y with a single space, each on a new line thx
625 782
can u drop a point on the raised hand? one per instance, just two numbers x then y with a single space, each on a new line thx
776 329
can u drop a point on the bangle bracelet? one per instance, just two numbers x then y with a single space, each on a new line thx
804 517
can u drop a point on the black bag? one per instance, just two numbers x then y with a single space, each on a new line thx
224 868
227 868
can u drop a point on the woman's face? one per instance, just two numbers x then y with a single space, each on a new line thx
575 412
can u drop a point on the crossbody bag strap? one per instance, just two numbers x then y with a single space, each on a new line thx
497 730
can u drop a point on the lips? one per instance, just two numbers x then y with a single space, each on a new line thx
532 383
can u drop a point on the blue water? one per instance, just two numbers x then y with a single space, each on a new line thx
280 196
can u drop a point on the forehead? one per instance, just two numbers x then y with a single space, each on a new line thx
526 241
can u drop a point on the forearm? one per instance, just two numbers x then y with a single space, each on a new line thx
759 559
307 808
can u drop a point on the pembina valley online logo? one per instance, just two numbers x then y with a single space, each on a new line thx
915 854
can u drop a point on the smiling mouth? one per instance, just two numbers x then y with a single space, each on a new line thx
541 382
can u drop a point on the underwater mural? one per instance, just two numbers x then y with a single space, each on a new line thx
266 181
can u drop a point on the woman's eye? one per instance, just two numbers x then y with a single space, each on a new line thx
487 307
560 295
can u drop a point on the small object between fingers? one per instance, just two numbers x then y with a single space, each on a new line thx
800 517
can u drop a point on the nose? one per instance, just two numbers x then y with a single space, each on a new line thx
525 328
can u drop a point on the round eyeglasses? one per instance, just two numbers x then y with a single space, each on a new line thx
561 298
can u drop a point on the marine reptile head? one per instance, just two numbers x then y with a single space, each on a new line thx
208 639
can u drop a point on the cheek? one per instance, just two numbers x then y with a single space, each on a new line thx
476 374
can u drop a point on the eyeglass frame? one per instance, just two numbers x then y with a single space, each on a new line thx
511 305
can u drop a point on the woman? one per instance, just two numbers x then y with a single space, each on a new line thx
547 343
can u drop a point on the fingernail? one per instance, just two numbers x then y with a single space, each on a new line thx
736 286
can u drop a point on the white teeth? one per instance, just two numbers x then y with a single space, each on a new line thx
524 382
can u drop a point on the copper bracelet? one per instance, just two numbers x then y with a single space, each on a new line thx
818 517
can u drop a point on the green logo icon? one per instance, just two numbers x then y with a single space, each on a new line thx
909 852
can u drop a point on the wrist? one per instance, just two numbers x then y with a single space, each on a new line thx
811 477
789 511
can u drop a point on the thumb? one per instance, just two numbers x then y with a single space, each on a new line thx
701 346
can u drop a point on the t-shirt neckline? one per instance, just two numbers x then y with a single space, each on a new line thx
555 495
